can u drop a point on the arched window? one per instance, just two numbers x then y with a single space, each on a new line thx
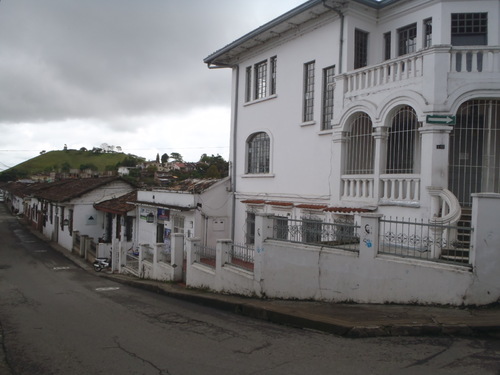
258 153
360 146
403 144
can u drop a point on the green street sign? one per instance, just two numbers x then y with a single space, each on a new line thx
441 119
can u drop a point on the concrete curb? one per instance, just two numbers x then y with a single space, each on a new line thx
337 320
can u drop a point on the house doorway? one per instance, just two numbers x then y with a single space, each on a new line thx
474 159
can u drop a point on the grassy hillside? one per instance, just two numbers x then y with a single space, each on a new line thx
59 161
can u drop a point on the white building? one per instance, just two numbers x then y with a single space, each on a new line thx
345 107
365 104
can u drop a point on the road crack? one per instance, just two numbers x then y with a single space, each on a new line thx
134 355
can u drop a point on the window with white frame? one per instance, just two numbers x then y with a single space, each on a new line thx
260 84
469 29
258 153
428 32
308 100
274 66
360 49
328 92
248 84
407 42
360 146
261 80
178 223
387 46
403 143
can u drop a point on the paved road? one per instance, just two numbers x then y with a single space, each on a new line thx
59 319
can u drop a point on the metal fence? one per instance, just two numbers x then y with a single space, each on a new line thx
341 234
205 255
425 240
242 256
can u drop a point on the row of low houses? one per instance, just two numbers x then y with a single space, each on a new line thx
365 166
102 217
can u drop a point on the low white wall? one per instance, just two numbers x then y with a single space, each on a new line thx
297 271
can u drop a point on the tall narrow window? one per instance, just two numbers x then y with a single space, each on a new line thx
328 92
250 224
309 91
248 84
387 46
360 146
258 153
469 29
407 39
274 66
260 80
360 49
403 144
428 32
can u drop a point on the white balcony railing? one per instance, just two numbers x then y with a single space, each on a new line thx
359 187
400 188
475 60
374 76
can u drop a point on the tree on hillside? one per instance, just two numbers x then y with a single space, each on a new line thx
212 172
164 158
88 166
176 157
65 167
157 158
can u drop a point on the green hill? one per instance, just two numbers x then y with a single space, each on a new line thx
63 161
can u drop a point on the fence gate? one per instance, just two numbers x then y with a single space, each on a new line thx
474 160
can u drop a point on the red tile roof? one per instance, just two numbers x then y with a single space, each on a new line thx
119 206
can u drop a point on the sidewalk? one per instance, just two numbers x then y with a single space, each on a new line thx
348 320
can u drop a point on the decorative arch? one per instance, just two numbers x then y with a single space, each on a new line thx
402 98
360 145
403 142
474 156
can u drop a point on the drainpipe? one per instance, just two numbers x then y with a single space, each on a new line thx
234 122
341 41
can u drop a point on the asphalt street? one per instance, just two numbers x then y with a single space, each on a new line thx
57 318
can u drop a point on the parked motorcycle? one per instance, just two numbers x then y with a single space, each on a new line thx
102 263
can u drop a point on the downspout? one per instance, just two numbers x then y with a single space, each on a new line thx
341 41
234 122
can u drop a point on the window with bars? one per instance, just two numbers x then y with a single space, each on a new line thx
360 49
428 32
309 91
260 80
403 143
360 146
258 153
407 39
328 96
387 46
274 66
248 84
469 29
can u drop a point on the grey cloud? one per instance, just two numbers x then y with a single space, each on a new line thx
106 58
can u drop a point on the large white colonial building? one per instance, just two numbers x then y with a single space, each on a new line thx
389 106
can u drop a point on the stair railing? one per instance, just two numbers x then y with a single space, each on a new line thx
446 213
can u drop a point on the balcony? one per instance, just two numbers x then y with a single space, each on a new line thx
438 65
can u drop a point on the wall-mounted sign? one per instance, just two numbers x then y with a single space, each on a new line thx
441 119
163 214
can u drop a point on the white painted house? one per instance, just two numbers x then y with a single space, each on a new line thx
349 108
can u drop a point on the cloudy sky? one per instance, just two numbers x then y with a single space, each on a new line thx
127 73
